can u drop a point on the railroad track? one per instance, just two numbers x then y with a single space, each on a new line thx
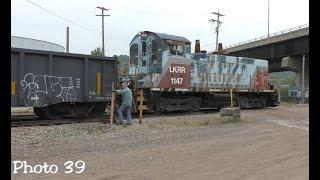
18 120
33 120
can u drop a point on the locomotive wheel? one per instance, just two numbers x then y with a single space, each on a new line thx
264 103
56 111
241 102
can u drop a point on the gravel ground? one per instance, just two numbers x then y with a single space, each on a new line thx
264 144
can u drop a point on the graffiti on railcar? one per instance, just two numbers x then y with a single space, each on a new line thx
37 89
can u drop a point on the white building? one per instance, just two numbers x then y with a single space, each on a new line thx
28 43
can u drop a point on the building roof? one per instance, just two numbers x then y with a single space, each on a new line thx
164 36
29 43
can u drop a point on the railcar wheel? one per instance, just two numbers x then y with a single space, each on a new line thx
98 109
51 112
196 104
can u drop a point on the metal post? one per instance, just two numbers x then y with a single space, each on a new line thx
113 98
103 52
67 45
302 86
279 89
268 16
231 98
140 105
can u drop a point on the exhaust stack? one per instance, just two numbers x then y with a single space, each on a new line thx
197 46
221 50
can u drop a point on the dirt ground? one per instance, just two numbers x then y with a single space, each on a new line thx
268 143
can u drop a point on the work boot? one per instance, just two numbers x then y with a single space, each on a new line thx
129 123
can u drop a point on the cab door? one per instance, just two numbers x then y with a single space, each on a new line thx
143 56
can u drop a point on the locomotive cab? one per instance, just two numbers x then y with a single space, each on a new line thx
151 55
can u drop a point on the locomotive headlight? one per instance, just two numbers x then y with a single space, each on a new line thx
143 35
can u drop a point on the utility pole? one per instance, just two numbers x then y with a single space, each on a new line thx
218 25
102 15
67 39
268 16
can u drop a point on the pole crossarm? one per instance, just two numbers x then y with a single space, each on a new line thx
217 13
102 8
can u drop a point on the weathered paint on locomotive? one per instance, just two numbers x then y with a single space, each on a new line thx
168 63
219 71
176 74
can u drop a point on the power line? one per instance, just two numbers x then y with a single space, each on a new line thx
60 10
61 16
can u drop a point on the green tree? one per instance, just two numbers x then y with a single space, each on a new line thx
123 65
123 59
285 77
97 52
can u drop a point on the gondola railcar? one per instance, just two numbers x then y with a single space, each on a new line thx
58 84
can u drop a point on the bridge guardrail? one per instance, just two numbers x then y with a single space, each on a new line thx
270 35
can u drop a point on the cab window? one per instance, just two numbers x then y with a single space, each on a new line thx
176 50
144 48
133 53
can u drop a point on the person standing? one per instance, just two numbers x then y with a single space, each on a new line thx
126 104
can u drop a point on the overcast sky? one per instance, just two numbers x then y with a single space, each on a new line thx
243 20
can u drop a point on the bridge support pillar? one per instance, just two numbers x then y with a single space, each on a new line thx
295 64
306 75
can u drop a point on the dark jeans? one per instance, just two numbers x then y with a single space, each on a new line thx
128 110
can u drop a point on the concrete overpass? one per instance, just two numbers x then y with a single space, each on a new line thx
284 50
